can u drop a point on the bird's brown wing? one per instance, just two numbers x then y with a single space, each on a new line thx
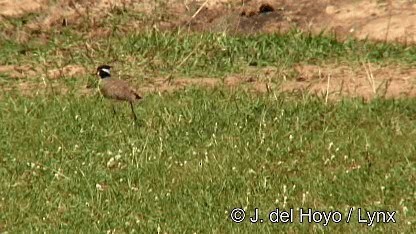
119 90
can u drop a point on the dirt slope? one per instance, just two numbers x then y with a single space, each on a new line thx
373 19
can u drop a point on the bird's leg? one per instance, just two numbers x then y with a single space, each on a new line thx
114 109
132 110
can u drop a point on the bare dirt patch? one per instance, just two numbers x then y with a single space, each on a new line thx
18 8
333 81
373 19
377 20
26 71
366 81
40 17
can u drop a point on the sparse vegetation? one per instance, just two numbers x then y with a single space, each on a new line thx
209 54
68 164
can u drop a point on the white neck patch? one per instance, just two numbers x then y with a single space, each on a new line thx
106 70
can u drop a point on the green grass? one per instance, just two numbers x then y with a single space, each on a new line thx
195 155
67 164
193 54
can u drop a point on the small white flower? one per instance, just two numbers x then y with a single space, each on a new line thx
330 145
284 201
405 210
99 187
111 163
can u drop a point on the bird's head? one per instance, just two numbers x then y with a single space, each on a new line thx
103 71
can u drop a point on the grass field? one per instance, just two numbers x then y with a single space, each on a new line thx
195 154
68 164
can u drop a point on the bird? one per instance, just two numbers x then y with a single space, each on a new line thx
116 89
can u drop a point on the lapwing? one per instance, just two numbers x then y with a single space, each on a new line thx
116 89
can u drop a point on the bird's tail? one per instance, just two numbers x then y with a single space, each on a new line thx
137 96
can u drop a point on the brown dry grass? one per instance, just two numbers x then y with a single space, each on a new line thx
378 20
334 81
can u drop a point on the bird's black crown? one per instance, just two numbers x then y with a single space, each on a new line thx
104 71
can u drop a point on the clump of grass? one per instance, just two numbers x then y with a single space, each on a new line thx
68 164
193 54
